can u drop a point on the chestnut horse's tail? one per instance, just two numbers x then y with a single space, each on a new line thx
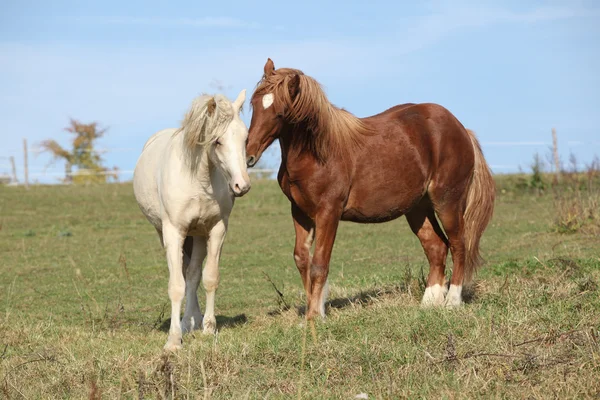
480 207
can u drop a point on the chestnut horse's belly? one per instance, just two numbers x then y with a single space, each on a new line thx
375 202
358 215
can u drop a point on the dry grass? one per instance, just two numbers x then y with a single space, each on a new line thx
578 211
84 315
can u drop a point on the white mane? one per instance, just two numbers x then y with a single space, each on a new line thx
206 121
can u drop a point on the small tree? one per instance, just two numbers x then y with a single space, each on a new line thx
83 155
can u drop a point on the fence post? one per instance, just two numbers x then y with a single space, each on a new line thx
556 158
68 173
25 163
14 169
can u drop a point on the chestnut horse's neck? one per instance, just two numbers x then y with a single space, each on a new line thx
297 142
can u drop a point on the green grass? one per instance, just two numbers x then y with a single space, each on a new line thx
83 296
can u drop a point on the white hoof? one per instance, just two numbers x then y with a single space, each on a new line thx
173 344
434 296
210 326
191 323
454 298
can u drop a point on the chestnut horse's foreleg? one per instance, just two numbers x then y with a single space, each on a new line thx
326 224
303 226
424 224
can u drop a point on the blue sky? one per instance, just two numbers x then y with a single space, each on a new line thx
510 70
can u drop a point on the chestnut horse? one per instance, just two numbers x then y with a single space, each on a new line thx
416 160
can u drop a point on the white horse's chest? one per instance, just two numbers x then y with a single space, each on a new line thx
203 213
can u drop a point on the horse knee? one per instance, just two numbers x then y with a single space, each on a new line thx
318 273
301 261
176 290
436 252
210 282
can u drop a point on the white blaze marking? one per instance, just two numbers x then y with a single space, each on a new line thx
267 100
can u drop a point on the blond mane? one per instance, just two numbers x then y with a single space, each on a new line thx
330 130
206 121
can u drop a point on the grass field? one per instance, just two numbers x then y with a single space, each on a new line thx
83 295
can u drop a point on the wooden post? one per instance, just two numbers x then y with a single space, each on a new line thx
555 153
14 169
68 173
25 163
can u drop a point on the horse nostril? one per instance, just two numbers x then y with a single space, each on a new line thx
250 161
237 187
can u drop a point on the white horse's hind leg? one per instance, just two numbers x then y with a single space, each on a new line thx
173 242
192 317
210 276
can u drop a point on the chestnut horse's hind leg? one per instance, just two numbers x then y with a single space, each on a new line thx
302 225
424 224
451 214
326 224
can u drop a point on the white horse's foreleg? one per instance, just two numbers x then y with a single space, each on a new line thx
210 276
173 242
192 317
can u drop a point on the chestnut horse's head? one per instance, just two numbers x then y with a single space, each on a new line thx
288 97
269 105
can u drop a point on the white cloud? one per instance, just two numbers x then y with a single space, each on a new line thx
476 13
447 16
44 85
202 22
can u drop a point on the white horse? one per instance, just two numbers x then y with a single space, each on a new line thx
185 182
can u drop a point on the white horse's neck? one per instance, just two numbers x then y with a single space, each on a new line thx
198 165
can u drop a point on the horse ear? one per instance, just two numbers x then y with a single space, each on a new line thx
239 102
294 85
211 106
269 67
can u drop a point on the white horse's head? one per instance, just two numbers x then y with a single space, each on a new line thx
215 123
228 151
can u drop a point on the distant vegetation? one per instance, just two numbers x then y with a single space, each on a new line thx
575 193
82 155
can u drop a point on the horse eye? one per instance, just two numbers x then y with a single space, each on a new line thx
218 142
